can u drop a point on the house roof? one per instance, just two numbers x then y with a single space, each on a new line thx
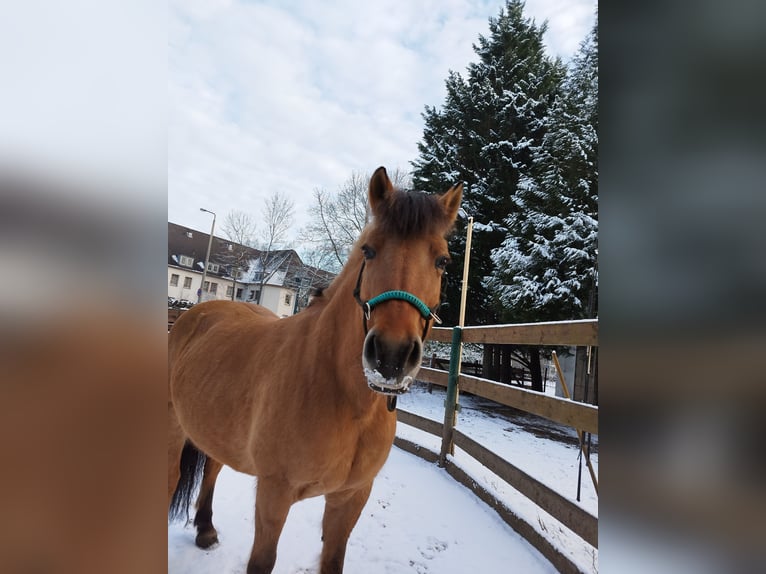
300 275
192 243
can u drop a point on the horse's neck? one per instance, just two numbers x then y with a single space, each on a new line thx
340 318
341 311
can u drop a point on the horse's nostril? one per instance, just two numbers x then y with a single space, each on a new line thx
415 354
391 359
371 351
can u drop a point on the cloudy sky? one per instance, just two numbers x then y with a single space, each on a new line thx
293 95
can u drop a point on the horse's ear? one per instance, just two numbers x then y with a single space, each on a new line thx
450 200
380 189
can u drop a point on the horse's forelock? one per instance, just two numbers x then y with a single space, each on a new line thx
412 213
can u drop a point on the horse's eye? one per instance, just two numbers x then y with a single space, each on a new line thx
369 252
442 262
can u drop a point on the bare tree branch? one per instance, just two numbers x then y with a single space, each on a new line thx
338 219
239 227
277 217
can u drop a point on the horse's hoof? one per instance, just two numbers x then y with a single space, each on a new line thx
206 539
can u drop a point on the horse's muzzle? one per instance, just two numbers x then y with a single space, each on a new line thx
390 365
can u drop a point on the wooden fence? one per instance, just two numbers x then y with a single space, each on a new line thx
581 416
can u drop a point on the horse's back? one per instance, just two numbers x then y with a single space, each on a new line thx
202 318
211 331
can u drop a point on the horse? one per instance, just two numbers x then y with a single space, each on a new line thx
307 403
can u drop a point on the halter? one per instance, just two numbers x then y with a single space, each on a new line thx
426 312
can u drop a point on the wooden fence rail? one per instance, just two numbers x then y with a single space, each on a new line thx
569 514
572 516
581 416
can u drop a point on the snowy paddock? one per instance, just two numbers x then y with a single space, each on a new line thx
418 518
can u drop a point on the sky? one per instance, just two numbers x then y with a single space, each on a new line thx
294 95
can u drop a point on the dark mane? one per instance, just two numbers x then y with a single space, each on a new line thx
410 213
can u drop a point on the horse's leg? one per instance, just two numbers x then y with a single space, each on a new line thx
272 503
341 511
203 519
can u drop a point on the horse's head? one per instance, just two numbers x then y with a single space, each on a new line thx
402 254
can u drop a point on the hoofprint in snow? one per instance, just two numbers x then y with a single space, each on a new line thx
418 519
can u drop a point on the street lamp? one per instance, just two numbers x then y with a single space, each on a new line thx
207 255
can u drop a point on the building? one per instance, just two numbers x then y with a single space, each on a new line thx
277 280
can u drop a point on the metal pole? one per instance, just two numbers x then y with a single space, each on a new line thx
450 402
207 255
579 432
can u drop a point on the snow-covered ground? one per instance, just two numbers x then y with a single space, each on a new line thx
547 451
418 519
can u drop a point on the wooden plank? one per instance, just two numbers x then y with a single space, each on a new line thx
414 448
573 333
441 334
568 513
422 423
435 376
562 562
580 416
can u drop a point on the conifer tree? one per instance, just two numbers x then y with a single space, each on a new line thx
545 268
485 135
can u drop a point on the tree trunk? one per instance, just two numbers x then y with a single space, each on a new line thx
488 370
506 375
581 369
535 372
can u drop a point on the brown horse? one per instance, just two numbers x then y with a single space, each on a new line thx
304 403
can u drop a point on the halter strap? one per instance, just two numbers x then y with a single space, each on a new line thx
404 296
425 311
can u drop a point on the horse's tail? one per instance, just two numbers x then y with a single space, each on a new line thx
192 466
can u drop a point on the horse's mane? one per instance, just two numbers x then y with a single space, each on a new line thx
404 215
410 213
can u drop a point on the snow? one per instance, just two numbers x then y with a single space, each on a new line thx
418 519
552 462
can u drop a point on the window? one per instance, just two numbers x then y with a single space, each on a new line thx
189 234
229 291
174 280
212 267
187 261
187 282
239 293
288 298
214 288
252 295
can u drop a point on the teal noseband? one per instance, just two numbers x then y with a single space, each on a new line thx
367 306
424 309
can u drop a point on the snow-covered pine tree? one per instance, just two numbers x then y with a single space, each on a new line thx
545 268
484 135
